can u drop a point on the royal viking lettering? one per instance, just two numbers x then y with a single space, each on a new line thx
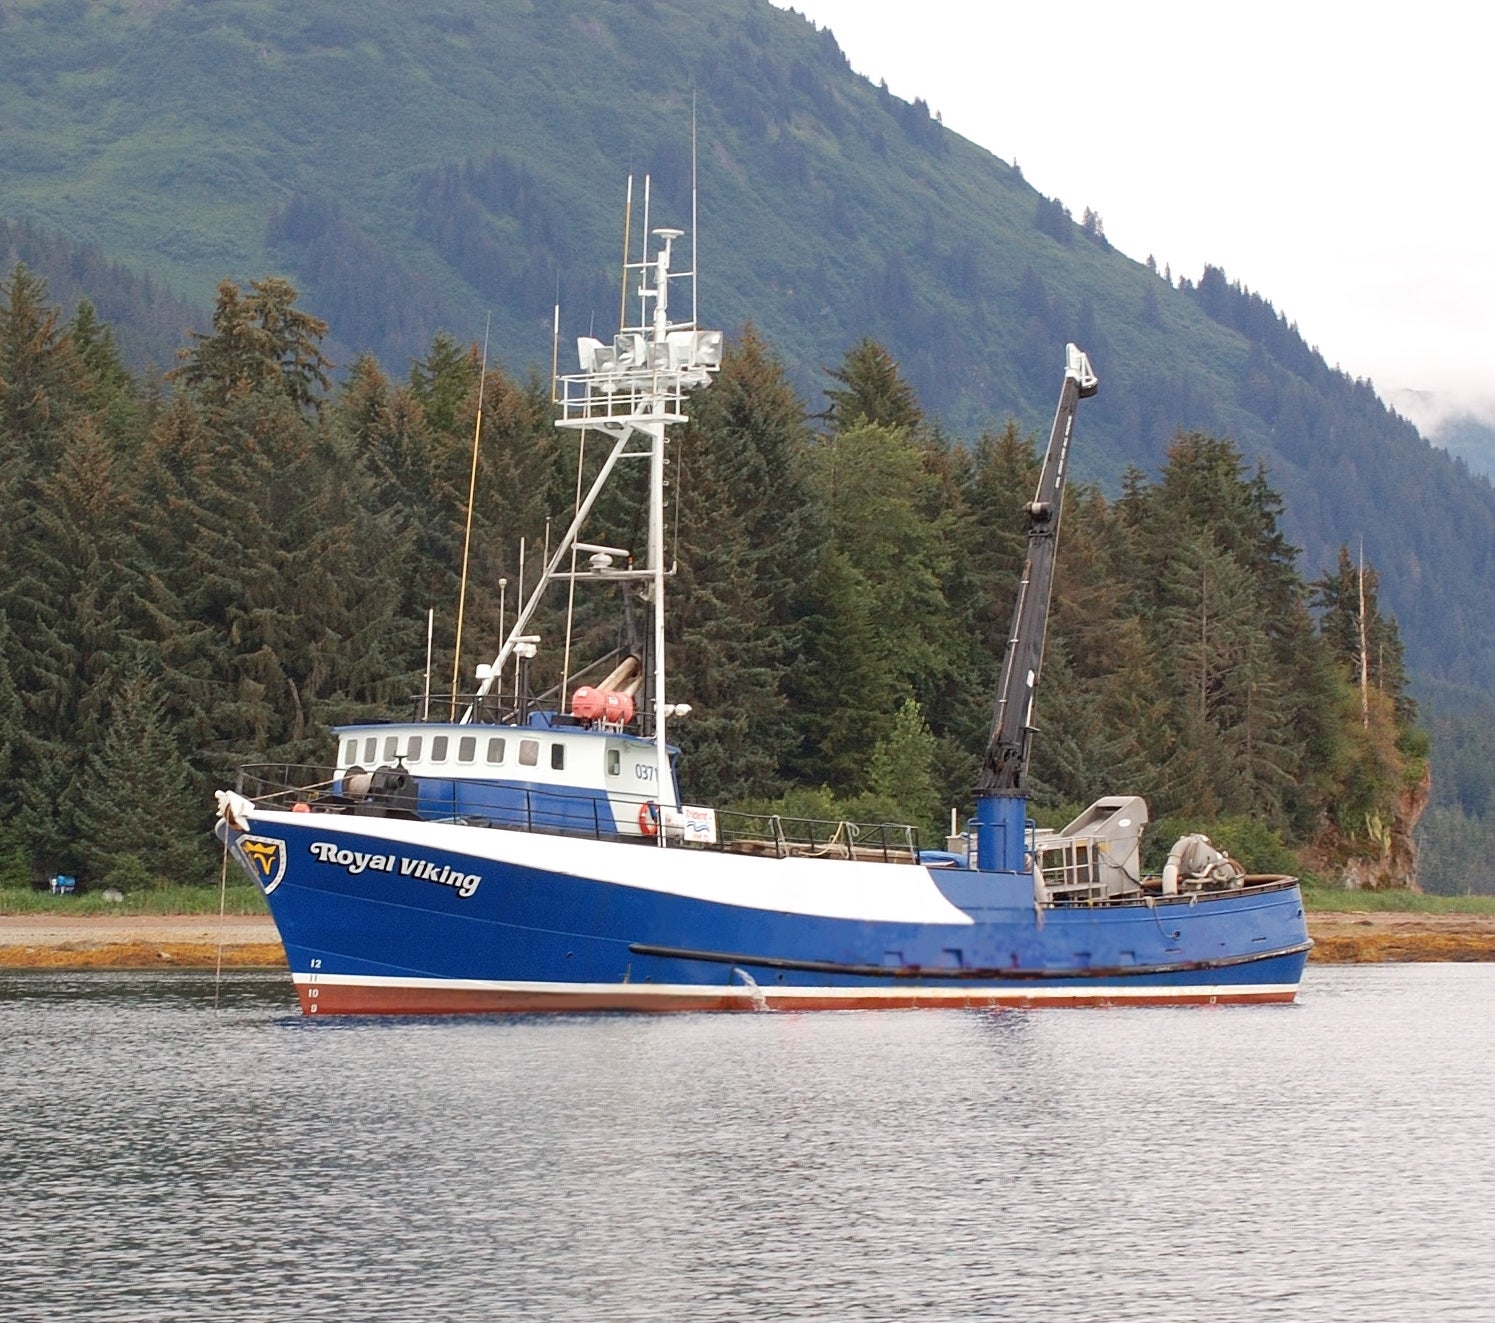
423 870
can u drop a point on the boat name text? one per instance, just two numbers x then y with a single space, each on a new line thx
357 861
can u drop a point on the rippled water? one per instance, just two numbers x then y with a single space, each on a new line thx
160 1159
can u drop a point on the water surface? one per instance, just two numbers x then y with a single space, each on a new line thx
161 1158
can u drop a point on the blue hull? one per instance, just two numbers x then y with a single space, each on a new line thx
382 917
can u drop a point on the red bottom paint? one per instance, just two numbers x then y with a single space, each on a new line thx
327 998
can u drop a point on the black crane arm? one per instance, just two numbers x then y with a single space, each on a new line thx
1004 769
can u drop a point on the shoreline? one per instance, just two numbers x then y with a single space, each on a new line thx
139 941
204 941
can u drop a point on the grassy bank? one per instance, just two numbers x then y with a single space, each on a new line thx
240 898
1335 900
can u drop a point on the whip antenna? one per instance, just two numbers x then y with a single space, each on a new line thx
627 221
695 251
472 486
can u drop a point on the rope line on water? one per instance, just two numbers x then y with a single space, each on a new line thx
222 906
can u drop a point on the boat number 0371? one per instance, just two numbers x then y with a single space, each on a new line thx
645 771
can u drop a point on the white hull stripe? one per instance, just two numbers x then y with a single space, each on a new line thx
818 888
1074 989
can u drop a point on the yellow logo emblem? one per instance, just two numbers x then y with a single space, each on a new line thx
264 858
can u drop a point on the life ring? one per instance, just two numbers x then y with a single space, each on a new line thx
648 819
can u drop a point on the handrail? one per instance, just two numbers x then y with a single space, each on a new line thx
577 812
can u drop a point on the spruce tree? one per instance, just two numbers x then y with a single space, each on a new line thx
41 377
140 812
748 438
260 341
871 390
901 781
1351 623
277 550
721 654
444 380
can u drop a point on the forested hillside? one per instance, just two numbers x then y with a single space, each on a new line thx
1471 440
222 572
414 168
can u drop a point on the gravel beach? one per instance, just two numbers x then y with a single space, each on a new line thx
138 941
109 941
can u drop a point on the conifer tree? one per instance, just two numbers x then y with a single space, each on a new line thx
443 381
749 440
721 654
1100 703
881 630
260 341
519 493
994 478
842 688
1359 637
901 772
41 376
277 549
871 390
139 810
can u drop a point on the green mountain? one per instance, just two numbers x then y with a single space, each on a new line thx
422 167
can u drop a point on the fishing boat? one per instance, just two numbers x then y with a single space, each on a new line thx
525 856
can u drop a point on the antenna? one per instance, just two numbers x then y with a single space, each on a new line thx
581 459
644 255
503 585
1364 647
472 486
555 348
425 714
520 597
695 252
627 221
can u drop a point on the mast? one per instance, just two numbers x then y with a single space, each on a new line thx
630 390
656 433
1001 789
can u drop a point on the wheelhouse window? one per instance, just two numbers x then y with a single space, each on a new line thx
467 748
391 747
529 753
558 757
412 750
350 752
495 750
438 748
614 762
371 748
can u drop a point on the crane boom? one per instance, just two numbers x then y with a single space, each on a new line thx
1004 769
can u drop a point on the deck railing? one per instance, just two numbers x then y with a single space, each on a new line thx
485 803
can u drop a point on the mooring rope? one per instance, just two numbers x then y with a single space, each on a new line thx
222 908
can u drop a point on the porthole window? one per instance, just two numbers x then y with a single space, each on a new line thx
467 748
495 750
614 762
438 748
529 753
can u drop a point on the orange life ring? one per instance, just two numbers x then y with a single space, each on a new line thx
648 822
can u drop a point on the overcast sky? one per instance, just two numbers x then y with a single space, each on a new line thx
1331 157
